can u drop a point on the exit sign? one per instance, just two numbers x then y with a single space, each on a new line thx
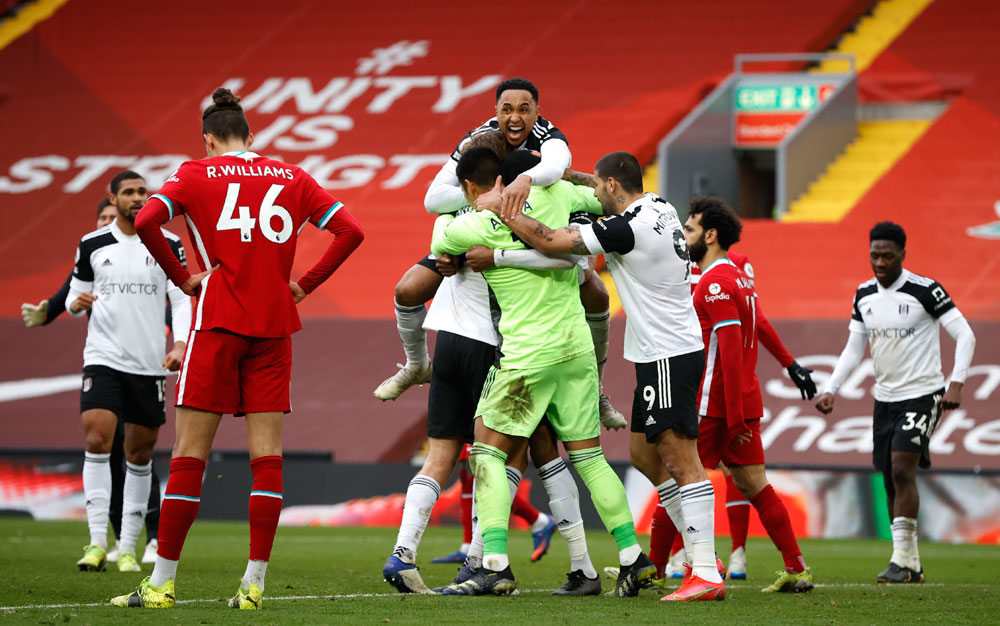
781 98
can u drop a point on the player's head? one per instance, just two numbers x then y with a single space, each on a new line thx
517 163
619 178
888 249
128 194
711 225
477 170
223 124
106 212
517 109
492 139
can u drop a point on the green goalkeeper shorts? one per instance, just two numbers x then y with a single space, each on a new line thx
514 401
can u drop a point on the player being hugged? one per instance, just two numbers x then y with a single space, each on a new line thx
244 212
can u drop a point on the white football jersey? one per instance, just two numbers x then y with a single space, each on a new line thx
648 258
462 306
902 323
127 321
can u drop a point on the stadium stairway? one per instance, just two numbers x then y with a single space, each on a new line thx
874 33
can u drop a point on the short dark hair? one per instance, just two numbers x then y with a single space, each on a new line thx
518 83
224 118
624 168
888 231
105 201
492 139
517 163
715 213
116 182
479 165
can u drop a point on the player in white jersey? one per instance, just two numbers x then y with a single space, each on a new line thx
117 280
899 314
518 119
645 249
465 349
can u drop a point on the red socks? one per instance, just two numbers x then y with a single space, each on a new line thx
265 505
180 505
661 538
738 511
466 502
523 509
774 516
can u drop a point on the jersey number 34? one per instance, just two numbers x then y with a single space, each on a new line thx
267 212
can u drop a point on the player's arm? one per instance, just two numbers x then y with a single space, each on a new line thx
445 193
849 359
47 310
556 158
80 297
730 338
481 258
180 325
459 235
348 235
159 210
769 338
965 345
580 178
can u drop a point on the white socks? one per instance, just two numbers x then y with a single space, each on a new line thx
135 499
254 574
564 503
600 327
496 562
670 498
904 543
421 495
97 491
410 323
698 504
164 570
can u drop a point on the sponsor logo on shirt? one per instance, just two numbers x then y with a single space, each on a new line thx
891 333
715 289
135 289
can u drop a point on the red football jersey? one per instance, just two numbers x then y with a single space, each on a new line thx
725 302
244 213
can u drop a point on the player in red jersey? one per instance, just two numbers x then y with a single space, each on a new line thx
729 401
244 213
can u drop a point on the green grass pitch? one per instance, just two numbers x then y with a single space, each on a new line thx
333 575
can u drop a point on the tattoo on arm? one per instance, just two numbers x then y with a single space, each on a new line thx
579 178
579 247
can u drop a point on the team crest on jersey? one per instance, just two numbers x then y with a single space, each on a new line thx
904 310
150 261
714 288
87 384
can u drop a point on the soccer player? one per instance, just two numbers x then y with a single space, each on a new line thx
729 399
545 366
646 254
244 212
47 310
518 118
116 279
900 314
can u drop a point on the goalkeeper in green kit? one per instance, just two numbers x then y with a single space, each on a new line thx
545 367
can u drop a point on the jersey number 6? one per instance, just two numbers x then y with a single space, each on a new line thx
244 223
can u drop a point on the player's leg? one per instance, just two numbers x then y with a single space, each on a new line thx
465 481
98 428
906 505
752 481
117 483
596 305
738 512
414 289
152 519
139 443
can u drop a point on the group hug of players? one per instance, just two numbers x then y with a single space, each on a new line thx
522 328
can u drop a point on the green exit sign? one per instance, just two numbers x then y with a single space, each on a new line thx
778 97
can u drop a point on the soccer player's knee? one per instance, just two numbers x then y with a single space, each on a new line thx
903 476
98 442
594 295
139 456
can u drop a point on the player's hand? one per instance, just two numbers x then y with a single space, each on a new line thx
175 357
514 197
446 264
192 286
479 258
741 434
802 379
825 403
83 302
34 315
492 200
298 293
952 398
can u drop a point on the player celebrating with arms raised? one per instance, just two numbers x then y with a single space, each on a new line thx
244 213
901 313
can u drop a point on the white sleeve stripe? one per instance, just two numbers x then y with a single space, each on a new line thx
590 239
198 243
166 201
329 215
726 323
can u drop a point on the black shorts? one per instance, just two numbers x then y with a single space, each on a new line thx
905 426
429 262
460 368
134 398
666 395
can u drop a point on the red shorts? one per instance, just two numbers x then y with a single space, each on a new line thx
714 444
228 373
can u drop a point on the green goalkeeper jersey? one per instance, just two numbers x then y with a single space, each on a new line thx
537 313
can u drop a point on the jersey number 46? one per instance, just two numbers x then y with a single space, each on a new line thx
244 223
